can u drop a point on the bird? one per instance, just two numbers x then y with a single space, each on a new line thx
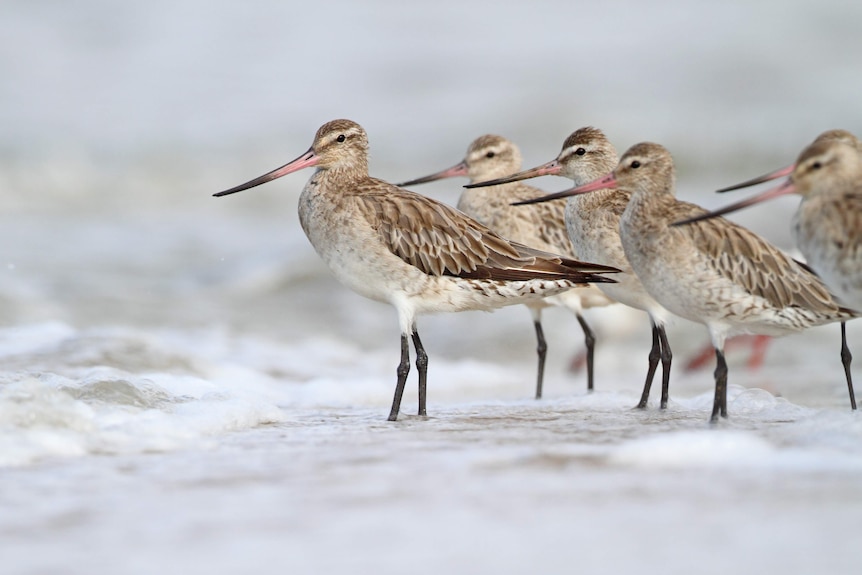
543 227
713 272
592 222
419 255
593 227
827 226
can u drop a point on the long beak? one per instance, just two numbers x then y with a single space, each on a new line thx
307 159
552 167
760 179
609 181
453 172
786 188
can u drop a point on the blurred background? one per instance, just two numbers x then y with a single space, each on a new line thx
167 100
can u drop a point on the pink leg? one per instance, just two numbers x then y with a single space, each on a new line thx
758 351
578 362
757 343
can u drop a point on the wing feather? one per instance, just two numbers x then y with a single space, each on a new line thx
440 240
759 267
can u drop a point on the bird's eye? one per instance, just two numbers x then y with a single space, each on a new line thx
580 151
489 155
635 164
340 138
816 166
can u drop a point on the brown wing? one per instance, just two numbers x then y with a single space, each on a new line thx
440 240
762 269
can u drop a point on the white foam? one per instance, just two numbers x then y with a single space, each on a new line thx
684 449
75 410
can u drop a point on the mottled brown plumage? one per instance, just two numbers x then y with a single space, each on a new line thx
712 272
828 224
592 224
542 226
420 256
741 256
439 240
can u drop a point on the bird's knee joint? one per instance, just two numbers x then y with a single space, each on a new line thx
403 370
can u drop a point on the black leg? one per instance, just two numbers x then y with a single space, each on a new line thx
542 350
654 356
590 341
422 366
403 370
666 357
719 404
846 358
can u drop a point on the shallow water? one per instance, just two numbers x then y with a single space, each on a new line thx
184 388
239 452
